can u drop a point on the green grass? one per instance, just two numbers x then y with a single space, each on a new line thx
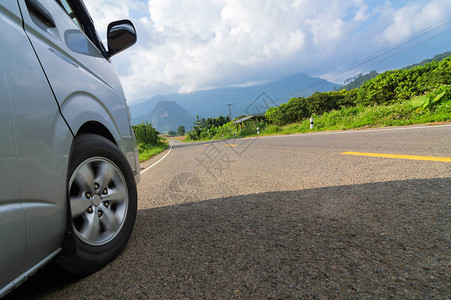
147 151
375 116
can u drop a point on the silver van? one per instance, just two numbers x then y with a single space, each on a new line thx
68 156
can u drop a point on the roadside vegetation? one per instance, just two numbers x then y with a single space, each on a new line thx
366 117
149 141
415 95
211 128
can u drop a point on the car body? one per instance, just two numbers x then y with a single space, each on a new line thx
69 161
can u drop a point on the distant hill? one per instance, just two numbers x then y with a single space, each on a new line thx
438 57
252 99
166 116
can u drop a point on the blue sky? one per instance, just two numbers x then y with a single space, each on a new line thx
189 45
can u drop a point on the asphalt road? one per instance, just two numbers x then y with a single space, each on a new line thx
284 217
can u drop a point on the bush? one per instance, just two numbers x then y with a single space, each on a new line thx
225 131
246 131
430 100
146 134
192 135
204 135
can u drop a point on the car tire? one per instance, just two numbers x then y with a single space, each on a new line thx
102 205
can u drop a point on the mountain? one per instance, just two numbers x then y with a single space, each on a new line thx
245 100
166 116
145 107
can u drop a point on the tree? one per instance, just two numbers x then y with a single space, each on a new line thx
181 130
172 133
216 122
203 123
197 127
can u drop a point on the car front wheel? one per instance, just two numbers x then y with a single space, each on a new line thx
102 204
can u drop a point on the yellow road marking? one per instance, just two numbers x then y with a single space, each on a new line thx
230 145
414 157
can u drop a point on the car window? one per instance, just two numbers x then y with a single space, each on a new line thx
76 10
66 6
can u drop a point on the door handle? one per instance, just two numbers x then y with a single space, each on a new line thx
36 8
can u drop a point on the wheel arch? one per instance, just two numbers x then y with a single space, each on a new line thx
97 128
85 113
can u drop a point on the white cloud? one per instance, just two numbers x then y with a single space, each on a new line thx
362 12
198 44
416 17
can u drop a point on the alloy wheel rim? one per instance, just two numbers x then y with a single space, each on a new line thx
98 199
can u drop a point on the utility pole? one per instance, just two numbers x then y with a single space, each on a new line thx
230 112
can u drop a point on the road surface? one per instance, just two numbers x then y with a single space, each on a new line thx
285 217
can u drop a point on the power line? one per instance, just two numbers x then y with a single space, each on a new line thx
351 72
428 31
431 29
417 44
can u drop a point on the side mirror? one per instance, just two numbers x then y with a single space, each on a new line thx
120 35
